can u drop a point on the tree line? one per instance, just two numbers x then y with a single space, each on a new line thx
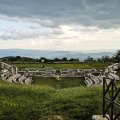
114 58
36 60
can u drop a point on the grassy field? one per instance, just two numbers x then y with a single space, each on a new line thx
42 102
59 84
46 98
96 65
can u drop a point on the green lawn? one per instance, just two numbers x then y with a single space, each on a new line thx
96 65
59 84
41 102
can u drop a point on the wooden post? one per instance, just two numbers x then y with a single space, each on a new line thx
104 97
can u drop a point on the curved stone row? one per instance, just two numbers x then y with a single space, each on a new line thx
50 72
10 73
112 67
110 73
92 80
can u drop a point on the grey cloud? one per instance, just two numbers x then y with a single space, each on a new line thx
34 31
57 31
14 34
34 26
52 13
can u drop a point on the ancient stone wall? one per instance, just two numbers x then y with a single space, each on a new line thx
109 73
10 73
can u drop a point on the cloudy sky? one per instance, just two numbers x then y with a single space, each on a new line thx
74 25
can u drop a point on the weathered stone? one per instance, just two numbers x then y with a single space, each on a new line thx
28 80
98 117
16 77
113 76
10 79
10 73
22 79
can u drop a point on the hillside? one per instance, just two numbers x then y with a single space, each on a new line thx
51 54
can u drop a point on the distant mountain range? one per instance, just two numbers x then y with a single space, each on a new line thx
51 54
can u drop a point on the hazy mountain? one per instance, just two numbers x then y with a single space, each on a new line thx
51 54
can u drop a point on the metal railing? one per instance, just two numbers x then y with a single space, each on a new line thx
111 99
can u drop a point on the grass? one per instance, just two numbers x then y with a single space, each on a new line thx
38 102
78 103
60 84
96 65
99 65
41 101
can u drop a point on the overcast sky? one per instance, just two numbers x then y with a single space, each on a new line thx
74 25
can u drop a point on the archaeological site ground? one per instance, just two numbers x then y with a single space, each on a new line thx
54 91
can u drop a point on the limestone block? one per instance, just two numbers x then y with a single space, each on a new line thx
96 80
10 79
16 77
89 81
98 117
28 80
21 79
113 76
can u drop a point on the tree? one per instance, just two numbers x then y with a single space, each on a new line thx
18 58
43 59
73 60
64 59
106 59
89 59
57 60
117 56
